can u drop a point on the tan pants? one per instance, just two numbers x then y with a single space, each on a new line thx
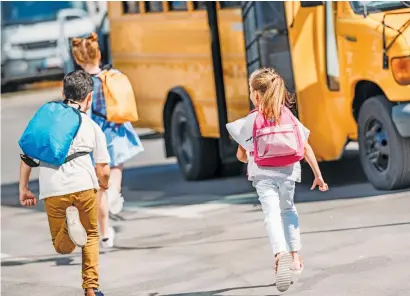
86 203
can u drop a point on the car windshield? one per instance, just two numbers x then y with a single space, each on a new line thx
25 12
377 6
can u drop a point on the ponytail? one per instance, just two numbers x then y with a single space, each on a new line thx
273 99
86 50
273 93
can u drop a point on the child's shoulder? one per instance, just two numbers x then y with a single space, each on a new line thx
250 118
87 120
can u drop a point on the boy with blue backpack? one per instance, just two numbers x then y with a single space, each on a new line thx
62 138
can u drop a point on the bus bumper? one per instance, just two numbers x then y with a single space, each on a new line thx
401 118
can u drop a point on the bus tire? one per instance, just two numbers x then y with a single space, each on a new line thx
10 87
197 157
384 154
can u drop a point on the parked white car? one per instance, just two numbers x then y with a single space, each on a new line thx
35 36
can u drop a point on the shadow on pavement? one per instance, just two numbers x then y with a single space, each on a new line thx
59 261
68 260
160 185
263 237
218 292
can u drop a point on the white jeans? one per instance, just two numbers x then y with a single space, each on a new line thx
281 217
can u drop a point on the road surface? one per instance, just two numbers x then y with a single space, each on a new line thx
207 238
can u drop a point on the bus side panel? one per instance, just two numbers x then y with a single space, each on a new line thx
233 62
322 111
159 51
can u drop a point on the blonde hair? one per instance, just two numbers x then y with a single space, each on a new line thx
273 93
86 50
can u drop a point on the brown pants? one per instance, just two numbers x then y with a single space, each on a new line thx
86 203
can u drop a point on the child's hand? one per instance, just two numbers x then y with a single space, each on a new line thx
321 183
27 198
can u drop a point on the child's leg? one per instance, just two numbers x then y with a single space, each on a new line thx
289 215
115 199
86 202
116 177
56 212
268 193
103 214
290 221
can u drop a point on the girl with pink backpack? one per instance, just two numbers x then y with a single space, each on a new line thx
276 143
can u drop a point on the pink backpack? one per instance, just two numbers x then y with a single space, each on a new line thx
277 145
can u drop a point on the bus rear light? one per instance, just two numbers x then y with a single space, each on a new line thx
401 70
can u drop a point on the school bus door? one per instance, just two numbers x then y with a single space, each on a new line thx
293 40
317 61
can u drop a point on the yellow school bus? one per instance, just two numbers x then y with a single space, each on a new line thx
347 62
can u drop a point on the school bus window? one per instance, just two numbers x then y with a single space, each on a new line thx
199 5
332 61
230 4
153 6
131 6
178 5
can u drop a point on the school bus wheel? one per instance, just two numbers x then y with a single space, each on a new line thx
10 87
197 157
384 154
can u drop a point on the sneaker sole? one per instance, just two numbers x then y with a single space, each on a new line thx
284 275
75 229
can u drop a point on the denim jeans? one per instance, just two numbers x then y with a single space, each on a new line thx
281 218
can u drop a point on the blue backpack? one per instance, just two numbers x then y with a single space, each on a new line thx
49 135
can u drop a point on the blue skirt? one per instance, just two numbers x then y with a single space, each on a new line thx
122 141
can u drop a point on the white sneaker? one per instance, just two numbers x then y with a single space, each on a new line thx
75 229
284 272
108 242
115 201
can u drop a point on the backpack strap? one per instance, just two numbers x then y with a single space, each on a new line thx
75 155
101 76
33 164
29 161
107 67
253 111
99 114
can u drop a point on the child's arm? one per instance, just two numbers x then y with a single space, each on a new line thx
241 154
103 174
311 159
26 197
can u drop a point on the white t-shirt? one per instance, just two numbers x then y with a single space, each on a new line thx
79 173
291 172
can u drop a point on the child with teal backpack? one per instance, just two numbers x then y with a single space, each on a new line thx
62 138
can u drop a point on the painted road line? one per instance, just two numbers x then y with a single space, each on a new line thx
182 212
4 256
197 211
229 199
240 198
10 258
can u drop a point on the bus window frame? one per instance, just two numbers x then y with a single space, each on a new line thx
198 9
370 9
189 7
328 84
131 13
146 3
219 6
